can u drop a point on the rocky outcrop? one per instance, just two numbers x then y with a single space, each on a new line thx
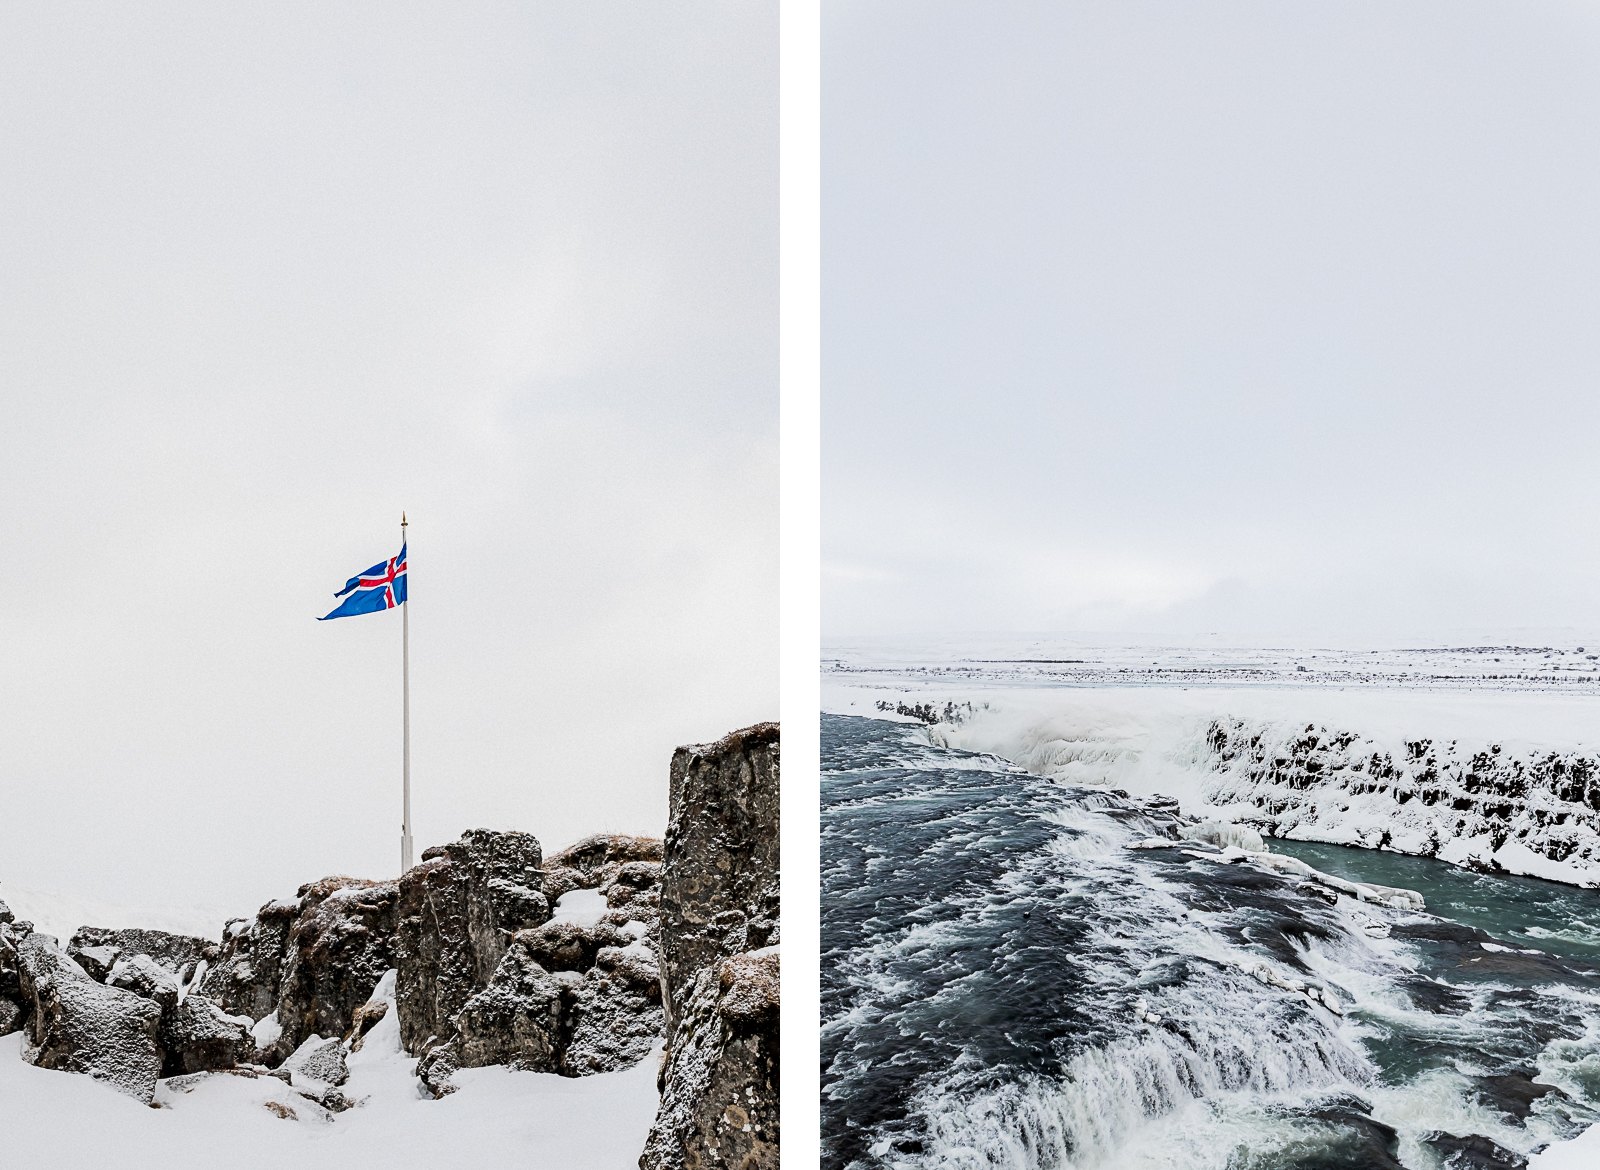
341 943
97 948
198 1036
247 972
1486 806
457 910
595 862
78 1025
478 973
719 962
13 1014
567 996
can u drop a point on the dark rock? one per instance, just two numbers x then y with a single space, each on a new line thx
457 910
247 972
614 1013
367 1015
319 1061
596 861
517 1019
719 914
78 1025
341 943
146 978
1356 1138
1511 1093
96 948
570 946
1474 1153
197 1036
436 1068
13 1010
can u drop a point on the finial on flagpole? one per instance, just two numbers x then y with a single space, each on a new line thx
402 519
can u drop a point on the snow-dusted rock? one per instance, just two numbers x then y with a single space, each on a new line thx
517 1019
13 1013
614 1014
245 977
341 943
596 861
78 1025
456 912
97 948
719 926
317 1062
142 975
198 1036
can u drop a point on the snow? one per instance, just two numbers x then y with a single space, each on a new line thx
1581 1153
581 906
498 1117
60 917
266 1030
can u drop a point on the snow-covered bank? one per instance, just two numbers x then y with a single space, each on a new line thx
1499 778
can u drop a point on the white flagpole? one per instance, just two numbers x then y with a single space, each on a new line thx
405 717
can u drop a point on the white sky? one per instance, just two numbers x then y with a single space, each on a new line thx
273 273
1277 319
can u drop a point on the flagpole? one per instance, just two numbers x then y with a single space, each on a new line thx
405 715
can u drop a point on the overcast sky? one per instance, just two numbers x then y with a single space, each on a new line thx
271 273
1272 319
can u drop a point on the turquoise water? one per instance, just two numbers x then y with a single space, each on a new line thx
1557 919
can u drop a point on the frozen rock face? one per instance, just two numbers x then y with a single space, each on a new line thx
1535 813
96 948
341 943
719 966
456 911
245 978
78 1025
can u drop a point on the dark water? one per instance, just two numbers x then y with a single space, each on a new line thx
1007 981
1526 912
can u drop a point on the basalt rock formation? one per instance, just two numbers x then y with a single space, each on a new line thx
719 960
1485 806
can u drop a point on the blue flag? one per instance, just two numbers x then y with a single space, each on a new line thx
381 587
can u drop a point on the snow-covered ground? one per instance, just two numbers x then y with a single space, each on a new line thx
498 1117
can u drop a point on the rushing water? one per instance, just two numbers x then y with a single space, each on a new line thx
1010 979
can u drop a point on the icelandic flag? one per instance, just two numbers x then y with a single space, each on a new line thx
381 587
